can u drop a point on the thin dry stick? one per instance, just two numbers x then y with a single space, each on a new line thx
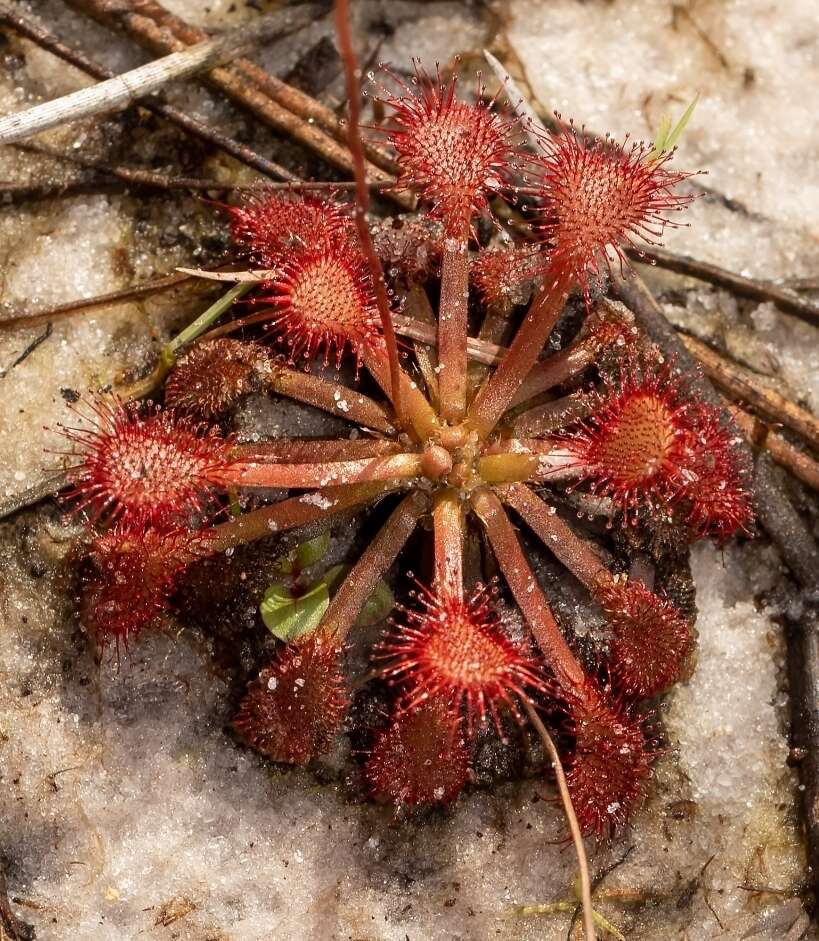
125 296
743 384
735 283
154 103
129 87
233 84
138 176
571 817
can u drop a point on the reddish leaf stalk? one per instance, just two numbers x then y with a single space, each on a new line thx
575 553
565 364
291 513
497 392
362 580
546 418
452 327
354 142
314 450
333 398
527 592
448 523
335 473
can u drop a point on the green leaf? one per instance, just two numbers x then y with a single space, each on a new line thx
377 606
666 136
312 551
289 618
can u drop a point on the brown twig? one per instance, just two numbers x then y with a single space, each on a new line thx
150 25
125 296
42 37
742 384
785 454
294 99
736 283
19 193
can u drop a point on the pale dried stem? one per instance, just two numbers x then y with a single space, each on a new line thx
497 392
575 553
744 385
125 89
571 819
292 513
34 31
335 473
478 350
379 555
448 524
452 328
527 592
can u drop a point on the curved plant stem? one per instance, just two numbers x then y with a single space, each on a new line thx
497 392
167 358
205 320
351 72
379 555
332 474
448 524
571 819
452 327
527 592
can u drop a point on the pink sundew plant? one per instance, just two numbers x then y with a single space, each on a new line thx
443 446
